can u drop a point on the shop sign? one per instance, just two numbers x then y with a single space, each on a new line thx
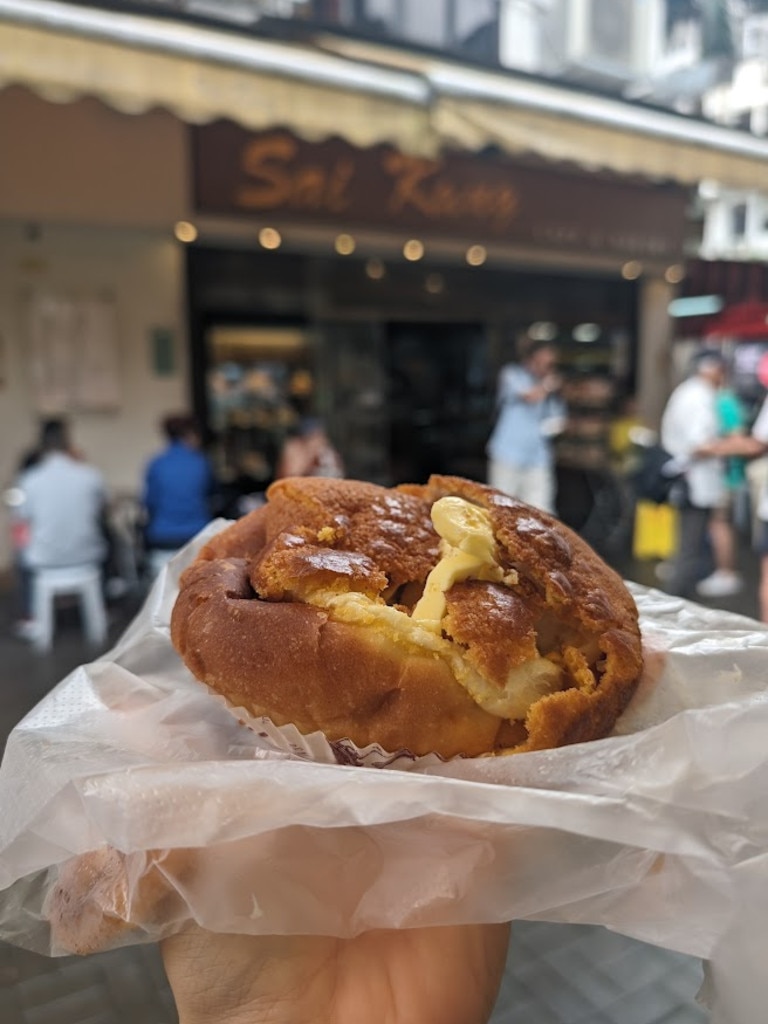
462 196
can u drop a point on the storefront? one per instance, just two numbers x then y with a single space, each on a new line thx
393 287
381 270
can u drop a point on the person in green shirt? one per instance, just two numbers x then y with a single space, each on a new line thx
726 580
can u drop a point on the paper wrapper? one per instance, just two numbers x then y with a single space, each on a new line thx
659 832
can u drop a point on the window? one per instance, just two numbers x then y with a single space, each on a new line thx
611 29
739 220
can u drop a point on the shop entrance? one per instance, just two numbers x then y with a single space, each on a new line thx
258 382
440 383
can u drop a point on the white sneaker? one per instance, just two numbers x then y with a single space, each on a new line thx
722 583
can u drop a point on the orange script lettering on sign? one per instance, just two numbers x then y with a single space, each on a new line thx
418 183
277 183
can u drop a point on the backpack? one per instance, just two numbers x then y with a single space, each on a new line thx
659 478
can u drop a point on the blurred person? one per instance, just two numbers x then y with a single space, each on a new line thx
530 415
689 426
625 452
60 511
725 580
178 489
625 427
441 975
308 451
752 446
19 535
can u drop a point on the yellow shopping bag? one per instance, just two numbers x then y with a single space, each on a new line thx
655 534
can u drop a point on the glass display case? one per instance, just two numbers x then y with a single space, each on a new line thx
259 381
594 362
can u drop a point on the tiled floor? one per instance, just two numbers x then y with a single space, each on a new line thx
575 974
556 974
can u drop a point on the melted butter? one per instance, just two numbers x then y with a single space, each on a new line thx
468 550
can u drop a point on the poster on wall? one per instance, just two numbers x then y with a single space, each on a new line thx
73 353
51 352
97 379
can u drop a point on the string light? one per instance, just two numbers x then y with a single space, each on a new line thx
375 269
476 255
345 245
631 270
270 238
185 232
413 250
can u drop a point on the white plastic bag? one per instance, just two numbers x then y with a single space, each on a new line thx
659 832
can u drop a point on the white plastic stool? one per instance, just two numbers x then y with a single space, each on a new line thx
83 580
157 559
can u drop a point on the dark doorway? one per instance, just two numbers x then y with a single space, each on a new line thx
439 388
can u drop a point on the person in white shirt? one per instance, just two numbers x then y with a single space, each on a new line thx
689 426
63 500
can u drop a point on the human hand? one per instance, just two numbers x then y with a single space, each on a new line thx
545 387
447 975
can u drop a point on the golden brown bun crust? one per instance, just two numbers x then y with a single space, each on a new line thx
241 624
291 662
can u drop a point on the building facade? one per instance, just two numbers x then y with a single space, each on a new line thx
207 216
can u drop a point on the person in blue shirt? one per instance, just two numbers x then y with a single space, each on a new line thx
178 486
530 414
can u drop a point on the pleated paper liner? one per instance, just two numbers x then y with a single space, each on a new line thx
286 740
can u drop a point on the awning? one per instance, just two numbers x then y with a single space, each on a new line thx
474 109
366 94
135 64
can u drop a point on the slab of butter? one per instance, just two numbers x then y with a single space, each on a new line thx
468 551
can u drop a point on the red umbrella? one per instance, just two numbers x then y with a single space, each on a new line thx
745 320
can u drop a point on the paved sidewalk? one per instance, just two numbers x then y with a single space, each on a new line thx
556 974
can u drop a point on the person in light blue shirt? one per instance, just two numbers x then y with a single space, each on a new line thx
530 415
178 485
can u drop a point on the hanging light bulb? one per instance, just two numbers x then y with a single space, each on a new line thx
345 245
270 238
413 250
631 270
434 284
375 269
476 255
185 231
